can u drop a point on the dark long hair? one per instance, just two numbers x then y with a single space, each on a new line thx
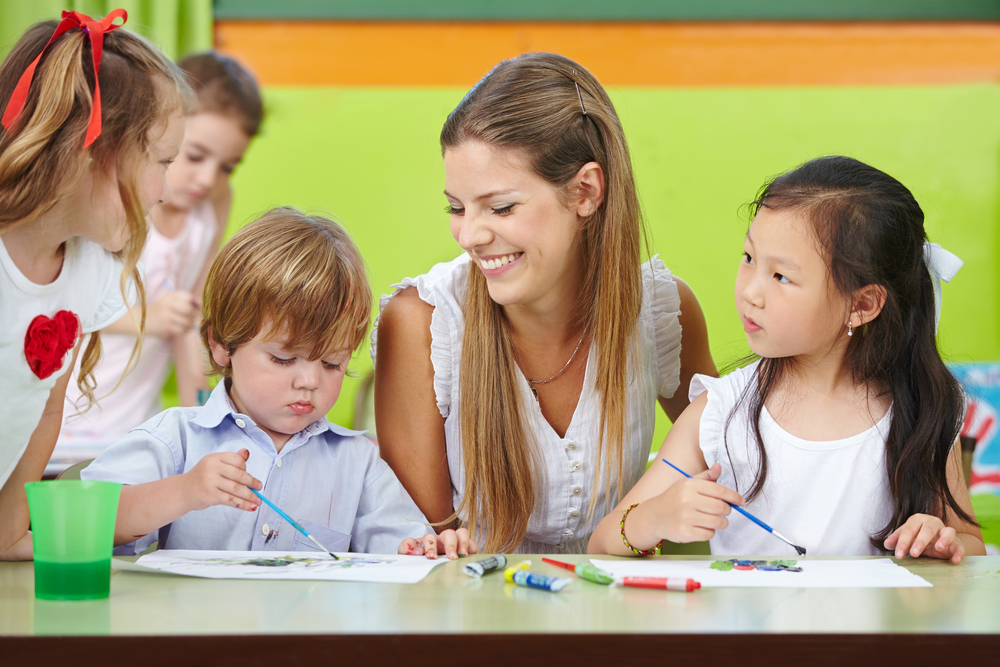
871 232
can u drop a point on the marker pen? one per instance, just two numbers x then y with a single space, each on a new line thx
585 571
668 583
485 566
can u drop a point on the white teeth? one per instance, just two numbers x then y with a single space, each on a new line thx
498 262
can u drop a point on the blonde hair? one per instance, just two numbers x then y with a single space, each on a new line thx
532 104
301 274
42 155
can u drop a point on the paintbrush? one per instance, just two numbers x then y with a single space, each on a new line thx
294 524
800 550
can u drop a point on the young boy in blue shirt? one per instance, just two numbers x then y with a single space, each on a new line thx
286 303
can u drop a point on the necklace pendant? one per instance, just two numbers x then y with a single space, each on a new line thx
534 392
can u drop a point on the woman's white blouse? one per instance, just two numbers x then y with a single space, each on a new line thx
561 521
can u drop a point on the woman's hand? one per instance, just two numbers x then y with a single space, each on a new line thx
453 543
926 535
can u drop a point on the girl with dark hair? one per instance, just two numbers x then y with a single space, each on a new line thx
843 435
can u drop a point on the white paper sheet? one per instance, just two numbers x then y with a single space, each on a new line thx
374 568
867 573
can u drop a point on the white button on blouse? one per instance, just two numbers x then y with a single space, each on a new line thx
241 423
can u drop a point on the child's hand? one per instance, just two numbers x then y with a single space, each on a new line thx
691 510
926 535
171 314
453 543
222 479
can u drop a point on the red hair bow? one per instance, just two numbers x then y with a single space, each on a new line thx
96 30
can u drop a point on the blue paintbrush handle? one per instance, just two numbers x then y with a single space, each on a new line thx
284 516
735 507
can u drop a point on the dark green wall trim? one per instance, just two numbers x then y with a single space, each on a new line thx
605 10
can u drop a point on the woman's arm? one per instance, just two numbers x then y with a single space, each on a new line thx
953 539
15 543
671 507
409 426
695 355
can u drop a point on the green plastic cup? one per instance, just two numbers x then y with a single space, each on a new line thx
73 532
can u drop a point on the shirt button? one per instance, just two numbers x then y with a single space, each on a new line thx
277 463
574 514
576 490
571 446
575 465
241 423
568 533
265 530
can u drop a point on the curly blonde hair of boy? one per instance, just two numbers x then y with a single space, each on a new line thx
297 274
42 156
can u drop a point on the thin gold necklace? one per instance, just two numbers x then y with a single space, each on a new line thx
531 382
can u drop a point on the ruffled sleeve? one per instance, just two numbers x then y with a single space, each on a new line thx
713 419
112 306
444 288
663 323
723 395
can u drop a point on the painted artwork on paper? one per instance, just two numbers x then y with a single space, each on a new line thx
761 565
290 565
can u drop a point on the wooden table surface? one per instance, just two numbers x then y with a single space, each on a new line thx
451 618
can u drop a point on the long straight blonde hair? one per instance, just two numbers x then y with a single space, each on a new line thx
42 156
554 112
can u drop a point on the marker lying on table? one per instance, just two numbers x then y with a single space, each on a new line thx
668 583
585 571
294 524
800 550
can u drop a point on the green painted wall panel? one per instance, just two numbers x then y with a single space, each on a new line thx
370 156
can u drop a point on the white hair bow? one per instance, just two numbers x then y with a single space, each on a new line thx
942 265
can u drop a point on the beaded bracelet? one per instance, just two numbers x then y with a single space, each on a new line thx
625 539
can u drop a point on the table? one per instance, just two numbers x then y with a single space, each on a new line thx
449 618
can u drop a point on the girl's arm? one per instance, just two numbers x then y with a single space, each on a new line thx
671 506
695 355
15 543
190 357
409 426
952 539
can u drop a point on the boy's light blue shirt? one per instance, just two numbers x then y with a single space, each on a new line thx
328 478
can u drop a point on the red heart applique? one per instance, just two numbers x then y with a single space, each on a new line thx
48 340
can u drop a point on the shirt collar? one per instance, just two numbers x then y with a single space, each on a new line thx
219 406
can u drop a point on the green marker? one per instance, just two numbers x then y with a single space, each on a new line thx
585 571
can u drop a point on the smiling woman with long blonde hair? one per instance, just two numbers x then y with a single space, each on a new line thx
515 386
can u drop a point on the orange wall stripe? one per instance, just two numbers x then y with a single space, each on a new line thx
286 53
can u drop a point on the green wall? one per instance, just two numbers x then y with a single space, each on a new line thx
371 158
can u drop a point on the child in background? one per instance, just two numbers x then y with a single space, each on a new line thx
286 303
76 182
843 436
183 239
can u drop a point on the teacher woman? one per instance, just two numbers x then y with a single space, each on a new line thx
516 386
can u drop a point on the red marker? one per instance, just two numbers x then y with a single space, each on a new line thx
668 583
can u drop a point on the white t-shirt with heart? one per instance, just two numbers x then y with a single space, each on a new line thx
88 286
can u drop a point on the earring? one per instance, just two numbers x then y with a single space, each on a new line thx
850 329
